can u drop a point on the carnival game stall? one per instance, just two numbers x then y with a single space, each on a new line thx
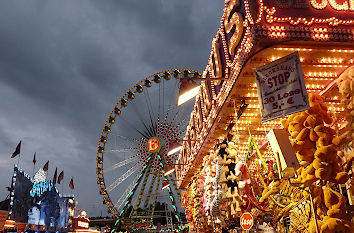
272 135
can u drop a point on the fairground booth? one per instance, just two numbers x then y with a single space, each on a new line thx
271 134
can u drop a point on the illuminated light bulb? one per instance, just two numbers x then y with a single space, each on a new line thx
188 95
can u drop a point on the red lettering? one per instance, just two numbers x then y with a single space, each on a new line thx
270 84
286 75
278 79
281 78
275 80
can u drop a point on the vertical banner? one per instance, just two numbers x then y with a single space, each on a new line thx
21 227
281 88
3 217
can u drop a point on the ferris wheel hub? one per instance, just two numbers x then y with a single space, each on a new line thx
154 144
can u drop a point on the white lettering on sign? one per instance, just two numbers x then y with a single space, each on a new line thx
281 88
246 221
83 224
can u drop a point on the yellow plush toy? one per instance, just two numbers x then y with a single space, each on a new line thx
316 145
317 148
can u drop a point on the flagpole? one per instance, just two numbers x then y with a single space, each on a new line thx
34 164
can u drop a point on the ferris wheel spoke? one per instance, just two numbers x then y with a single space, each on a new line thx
128 173
174 118
179 125
148 129
122 163
163 95
126 193
151 112
132 126
127 138
122 150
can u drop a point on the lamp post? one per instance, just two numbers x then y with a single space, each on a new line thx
189 88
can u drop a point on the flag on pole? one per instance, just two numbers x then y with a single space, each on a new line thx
46 166
34 159
60 177
71 184
55 176
17 151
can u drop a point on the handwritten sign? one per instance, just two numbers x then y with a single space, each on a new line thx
281 87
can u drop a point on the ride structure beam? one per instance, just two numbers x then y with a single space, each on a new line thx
125 195
157 173
136 186
122 163
156 192
140 196
122 178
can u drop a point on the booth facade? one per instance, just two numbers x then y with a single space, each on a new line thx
253 33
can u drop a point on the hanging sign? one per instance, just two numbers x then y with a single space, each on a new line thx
281 88
3 217
246 221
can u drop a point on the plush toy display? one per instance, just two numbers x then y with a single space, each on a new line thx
223 188
317 145
219 191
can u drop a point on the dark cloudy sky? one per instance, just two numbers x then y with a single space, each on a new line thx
63 64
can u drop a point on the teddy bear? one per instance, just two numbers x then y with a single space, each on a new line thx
316 145
318 149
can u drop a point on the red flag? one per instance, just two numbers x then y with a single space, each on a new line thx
55 176
60 177
34 159
71 184
46 166
17 151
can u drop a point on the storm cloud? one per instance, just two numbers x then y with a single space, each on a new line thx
64 64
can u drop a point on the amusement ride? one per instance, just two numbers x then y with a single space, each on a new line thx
137 150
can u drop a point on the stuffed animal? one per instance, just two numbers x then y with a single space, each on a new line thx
316 145
317 148
273 188
244 182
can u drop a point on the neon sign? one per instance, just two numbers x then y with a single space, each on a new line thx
39 188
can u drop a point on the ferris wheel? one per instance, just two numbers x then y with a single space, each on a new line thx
138 146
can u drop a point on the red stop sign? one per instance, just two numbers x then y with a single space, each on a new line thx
246 221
